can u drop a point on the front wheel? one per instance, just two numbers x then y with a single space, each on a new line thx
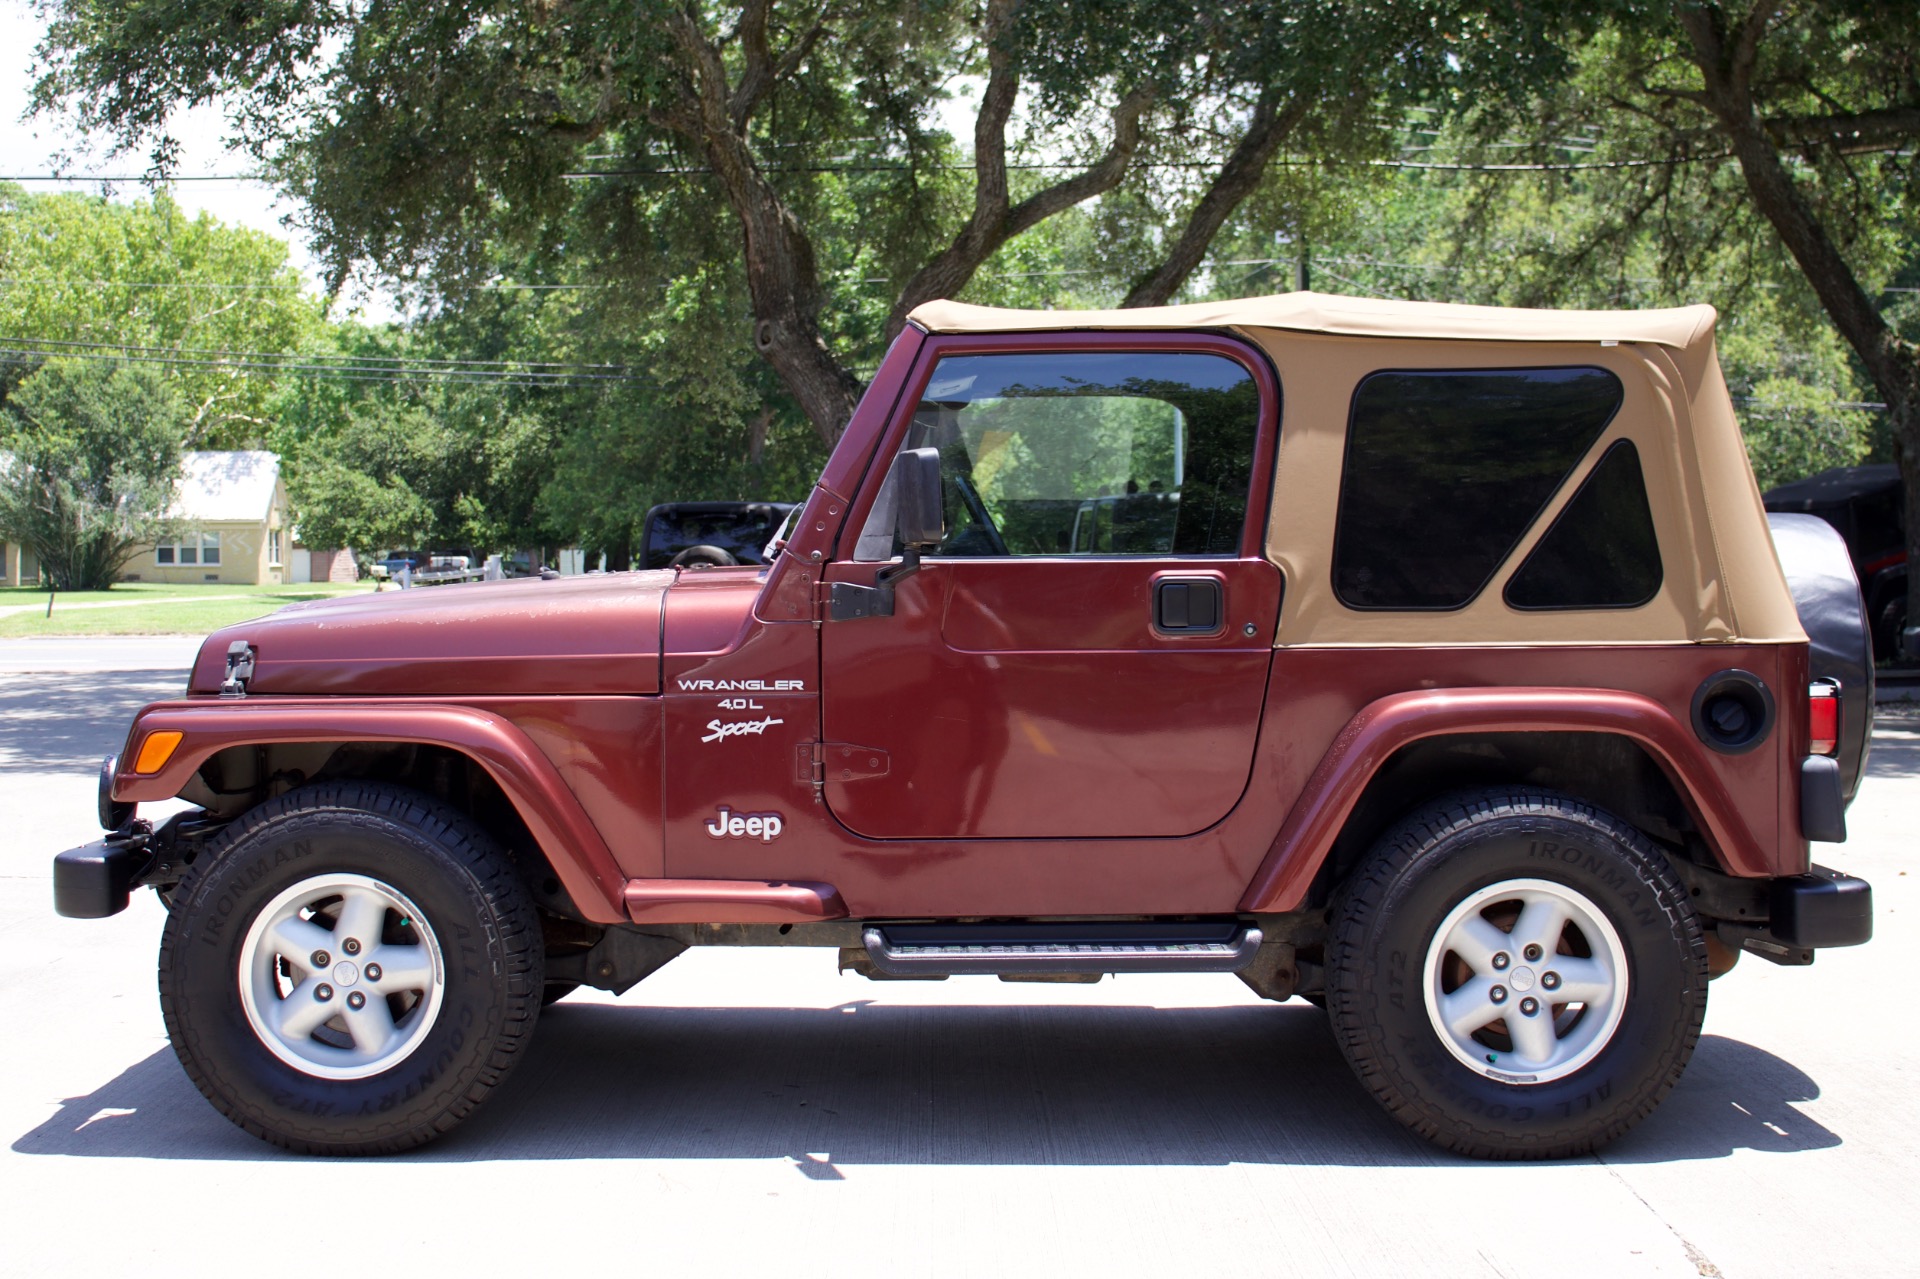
351 970
1515 974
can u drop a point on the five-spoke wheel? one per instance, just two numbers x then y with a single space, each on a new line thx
1516 974
1526 980
341 977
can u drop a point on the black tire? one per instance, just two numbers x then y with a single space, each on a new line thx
1423 874
454 1048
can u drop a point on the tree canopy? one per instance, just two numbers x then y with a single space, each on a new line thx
689 229
89 464
84 279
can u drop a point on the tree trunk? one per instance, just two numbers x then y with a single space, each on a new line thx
783 279
1726 58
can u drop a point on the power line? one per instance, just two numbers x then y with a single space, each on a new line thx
508 378
399 361
275 287
146 178
1034 166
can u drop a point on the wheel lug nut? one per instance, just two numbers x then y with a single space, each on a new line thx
373 972
351 945
320 958
1501 960
1533 952
1529 1006
357 1001
323 992
1550 981
1498 994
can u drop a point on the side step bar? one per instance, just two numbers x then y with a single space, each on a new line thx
929 950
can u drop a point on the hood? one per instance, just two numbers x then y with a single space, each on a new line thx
594 634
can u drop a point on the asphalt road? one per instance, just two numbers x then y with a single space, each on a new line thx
751 1110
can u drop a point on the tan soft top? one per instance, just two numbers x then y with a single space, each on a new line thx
1721 581
1678 327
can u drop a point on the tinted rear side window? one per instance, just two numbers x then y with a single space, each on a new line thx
1601 552
1447 469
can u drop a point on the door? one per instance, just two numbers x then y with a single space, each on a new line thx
1086 653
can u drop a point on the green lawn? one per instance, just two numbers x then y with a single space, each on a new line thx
146 608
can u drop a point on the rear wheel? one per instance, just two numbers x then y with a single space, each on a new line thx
1515 974
351 970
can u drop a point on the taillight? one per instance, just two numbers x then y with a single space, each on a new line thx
1823 718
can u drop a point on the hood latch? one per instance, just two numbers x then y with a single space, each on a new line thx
239 669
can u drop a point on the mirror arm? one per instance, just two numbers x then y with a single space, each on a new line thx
849 601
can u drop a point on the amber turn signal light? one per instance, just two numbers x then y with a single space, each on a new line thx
1823 719
156 751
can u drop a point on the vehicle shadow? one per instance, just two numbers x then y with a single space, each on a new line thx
1896 744
936 1085
58 723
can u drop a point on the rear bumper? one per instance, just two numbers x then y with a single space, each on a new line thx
1821 909
95 880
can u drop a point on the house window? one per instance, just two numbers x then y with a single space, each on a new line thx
203 548
273 546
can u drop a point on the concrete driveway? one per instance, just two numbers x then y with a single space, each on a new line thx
752 1111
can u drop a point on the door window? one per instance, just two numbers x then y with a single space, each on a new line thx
1086 453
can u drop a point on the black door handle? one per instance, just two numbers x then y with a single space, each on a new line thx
1188 605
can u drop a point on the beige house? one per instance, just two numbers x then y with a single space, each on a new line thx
235 527
18 566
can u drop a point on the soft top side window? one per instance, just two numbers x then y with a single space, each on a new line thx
1085 453
1447 469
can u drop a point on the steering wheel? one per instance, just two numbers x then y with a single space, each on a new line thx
703 556
978 510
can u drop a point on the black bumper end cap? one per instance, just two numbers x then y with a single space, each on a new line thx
95 880
1820 909
1823 800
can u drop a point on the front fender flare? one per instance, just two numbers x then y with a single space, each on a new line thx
1383 727
572 844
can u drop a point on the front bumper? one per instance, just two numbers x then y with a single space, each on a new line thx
95 880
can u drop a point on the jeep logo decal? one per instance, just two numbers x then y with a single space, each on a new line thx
765 827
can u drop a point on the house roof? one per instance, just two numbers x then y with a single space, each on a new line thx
227 486
1678 327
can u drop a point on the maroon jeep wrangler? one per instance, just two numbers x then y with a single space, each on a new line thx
1434 664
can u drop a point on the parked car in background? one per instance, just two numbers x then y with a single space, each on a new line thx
1867 505
709 534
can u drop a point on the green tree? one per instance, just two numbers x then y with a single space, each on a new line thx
1770 141
800 145
89 465
406 451
87 279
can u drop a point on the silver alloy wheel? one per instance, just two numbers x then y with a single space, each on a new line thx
341 976
1526 981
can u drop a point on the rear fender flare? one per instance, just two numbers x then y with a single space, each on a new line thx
1382 727
572 844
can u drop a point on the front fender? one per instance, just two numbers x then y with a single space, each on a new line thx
572 844
1383 727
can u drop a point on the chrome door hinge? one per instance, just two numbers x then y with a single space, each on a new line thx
823 762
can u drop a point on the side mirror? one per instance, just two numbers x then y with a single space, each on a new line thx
918 518
914 486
